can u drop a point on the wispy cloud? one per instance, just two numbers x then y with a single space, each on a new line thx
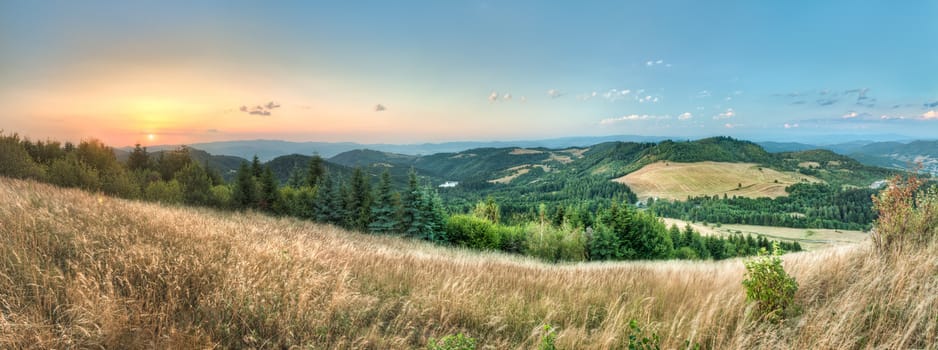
380 108
930 104
632 117
685 116
725 115
493 96
554 93
262 110
930 115
730 125
850 115
658 62
791 126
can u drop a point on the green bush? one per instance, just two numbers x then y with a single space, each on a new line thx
548 339
907 216
470 231
452 342
638 340
769 286
554 244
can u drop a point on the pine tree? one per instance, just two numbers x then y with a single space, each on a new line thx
244 195
138 159
412 219
269 194
325 196
358 203
383 213
256 169
434 216
195 183
296 179
316 171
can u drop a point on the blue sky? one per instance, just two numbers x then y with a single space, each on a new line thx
165 71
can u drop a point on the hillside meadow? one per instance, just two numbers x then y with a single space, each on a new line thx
677 181
80 270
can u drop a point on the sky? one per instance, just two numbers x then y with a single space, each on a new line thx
172 72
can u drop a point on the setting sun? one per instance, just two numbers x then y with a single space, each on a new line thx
151 137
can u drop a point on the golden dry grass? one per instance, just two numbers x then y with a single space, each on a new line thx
676 181
82 271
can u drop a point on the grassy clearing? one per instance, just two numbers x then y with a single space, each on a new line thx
809 238
82 271
671 180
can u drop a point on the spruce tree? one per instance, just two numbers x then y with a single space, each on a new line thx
358 203
296 179
244 195
383 213
269 195
315 171
138 159
256 169
412 219
325 196
434 216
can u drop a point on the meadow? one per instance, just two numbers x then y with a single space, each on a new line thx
677 181
81 270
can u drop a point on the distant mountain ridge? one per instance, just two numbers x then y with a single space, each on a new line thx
269 149
890 154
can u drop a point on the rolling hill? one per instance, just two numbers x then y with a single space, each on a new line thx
87 271
677 181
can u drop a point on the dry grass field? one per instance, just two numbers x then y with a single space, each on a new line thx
809 238
671 180
82 271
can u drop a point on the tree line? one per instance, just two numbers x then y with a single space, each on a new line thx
567 231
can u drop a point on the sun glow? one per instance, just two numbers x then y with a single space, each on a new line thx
151 137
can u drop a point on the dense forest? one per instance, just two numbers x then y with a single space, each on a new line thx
808 205
557 229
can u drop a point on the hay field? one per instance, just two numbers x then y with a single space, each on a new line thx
671 180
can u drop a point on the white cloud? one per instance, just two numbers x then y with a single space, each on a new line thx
725 115
632 117
554 93
730 126
891 117
930 115
493 96
658 62
685 116
523 99
507 97
850 115
791 126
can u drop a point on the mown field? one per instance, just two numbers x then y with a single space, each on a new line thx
809 238
677 181
79 270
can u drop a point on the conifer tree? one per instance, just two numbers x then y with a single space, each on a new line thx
244 195
383 213
269 195
256 169
315 171
412 219
138 159
296 179
358 203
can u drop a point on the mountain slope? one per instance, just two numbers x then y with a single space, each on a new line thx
89 271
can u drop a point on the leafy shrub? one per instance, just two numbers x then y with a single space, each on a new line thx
769 286
638 340
470 231
452 342
555 244
908 217
548 339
